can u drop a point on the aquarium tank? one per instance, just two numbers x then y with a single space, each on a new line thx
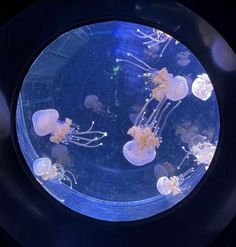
117 121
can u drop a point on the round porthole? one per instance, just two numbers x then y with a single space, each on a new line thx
118 121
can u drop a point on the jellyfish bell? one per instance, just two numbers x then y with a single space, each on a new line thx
183 58
44 121
41 166
167 186
202 87
91 102
196 139
162 185
137 156
178 88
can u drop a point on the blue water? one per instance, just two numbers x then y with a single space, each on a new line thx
82 62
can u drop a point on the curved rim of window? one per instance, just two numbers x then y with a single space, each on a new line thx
23 162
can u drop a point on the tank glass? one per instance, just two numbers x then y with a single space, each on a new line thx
118 121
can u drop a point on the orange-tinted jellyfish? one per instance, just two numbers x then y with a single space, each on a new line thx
201 149
172 185
46 122
44 168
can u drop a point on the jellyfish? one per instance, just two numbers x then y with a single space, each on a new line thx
92 102
154 39
61 154
44 168
187 131
202 149
146 133
164 84
46 122
172 185
183 58
202 87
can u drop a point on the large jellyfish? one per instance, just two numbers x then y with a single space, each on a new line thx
44 168
154 39
165 85
183 58
92 102
172 185
202 149
47 122
146 133
202 87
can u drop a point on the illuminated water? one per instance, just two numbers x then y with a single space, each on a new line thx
79 75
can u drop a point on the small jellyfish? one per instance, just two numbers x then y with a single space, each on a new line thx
92 102
164 84
202 87
44 168
172 185
187 131
202 149
183 58
46 122
154 39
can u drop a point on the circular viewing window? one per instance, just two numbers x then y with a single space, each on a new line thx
117 121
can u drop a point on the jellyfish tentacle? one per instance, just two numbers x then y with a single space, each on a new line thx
72 175
167 116
129 54
69 180
160 117
142 110
133 63
154 120
181 163
162 51
86 144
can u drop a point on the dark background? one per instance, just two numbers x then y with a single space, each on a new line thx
221 14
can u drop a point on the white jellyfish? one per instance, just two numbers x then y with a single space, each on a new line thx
202 149
92 102
164 83
44 168
154 39
172 185
146 133
202 87
183 58
46 122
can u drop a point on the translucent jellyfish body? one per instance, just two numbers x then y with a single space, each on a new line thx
202 149
172 185
154 39
92 102
142 149
47 122
44 168
164 84
183 58
146 133
202 87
